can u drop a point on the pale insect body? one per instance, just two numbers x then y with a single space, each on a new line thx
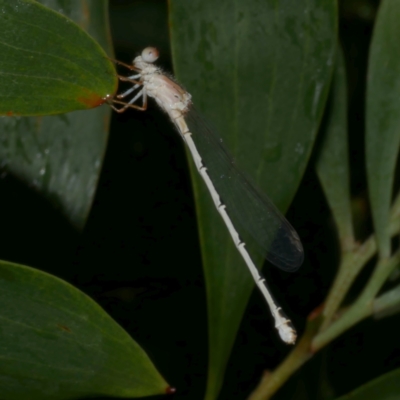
176 102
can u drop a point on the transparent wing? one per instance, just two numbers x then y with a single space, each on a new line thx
248 208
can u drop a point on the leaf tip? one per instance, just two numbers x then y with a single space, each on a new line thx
170 390
92 100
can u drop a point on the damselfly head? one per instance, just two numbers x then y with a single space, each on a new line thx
150 54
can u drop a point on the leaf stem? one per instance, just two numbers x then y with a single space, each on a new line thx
363 307
311 342
351 265
271 382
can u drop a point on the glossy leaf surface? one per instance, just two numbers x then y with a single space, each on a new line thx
49 65
57 343
260 72
333 159
386 387
60 156
383 118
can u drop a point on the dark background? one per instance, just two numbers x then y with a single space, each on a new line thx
139 255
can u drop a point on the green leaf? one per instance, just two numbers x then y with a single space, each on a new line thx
333 159
260 72
49 65
57 343
60 156
386 387
388 303
383 118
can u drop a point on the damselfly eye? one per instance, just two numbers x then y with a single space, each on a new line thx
150 54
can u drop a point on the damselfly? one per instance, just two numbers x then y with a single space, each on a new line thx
241 206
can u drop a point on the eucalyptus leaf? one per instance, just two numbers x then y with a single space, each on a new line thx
383 119
58 156
386 387
49 65
57 343
260 72
333 159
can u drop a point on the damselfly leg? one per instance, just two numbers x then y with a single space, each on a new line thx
242 207
137 83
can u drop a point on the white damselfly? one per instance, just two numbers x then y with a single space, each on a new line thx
241 206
